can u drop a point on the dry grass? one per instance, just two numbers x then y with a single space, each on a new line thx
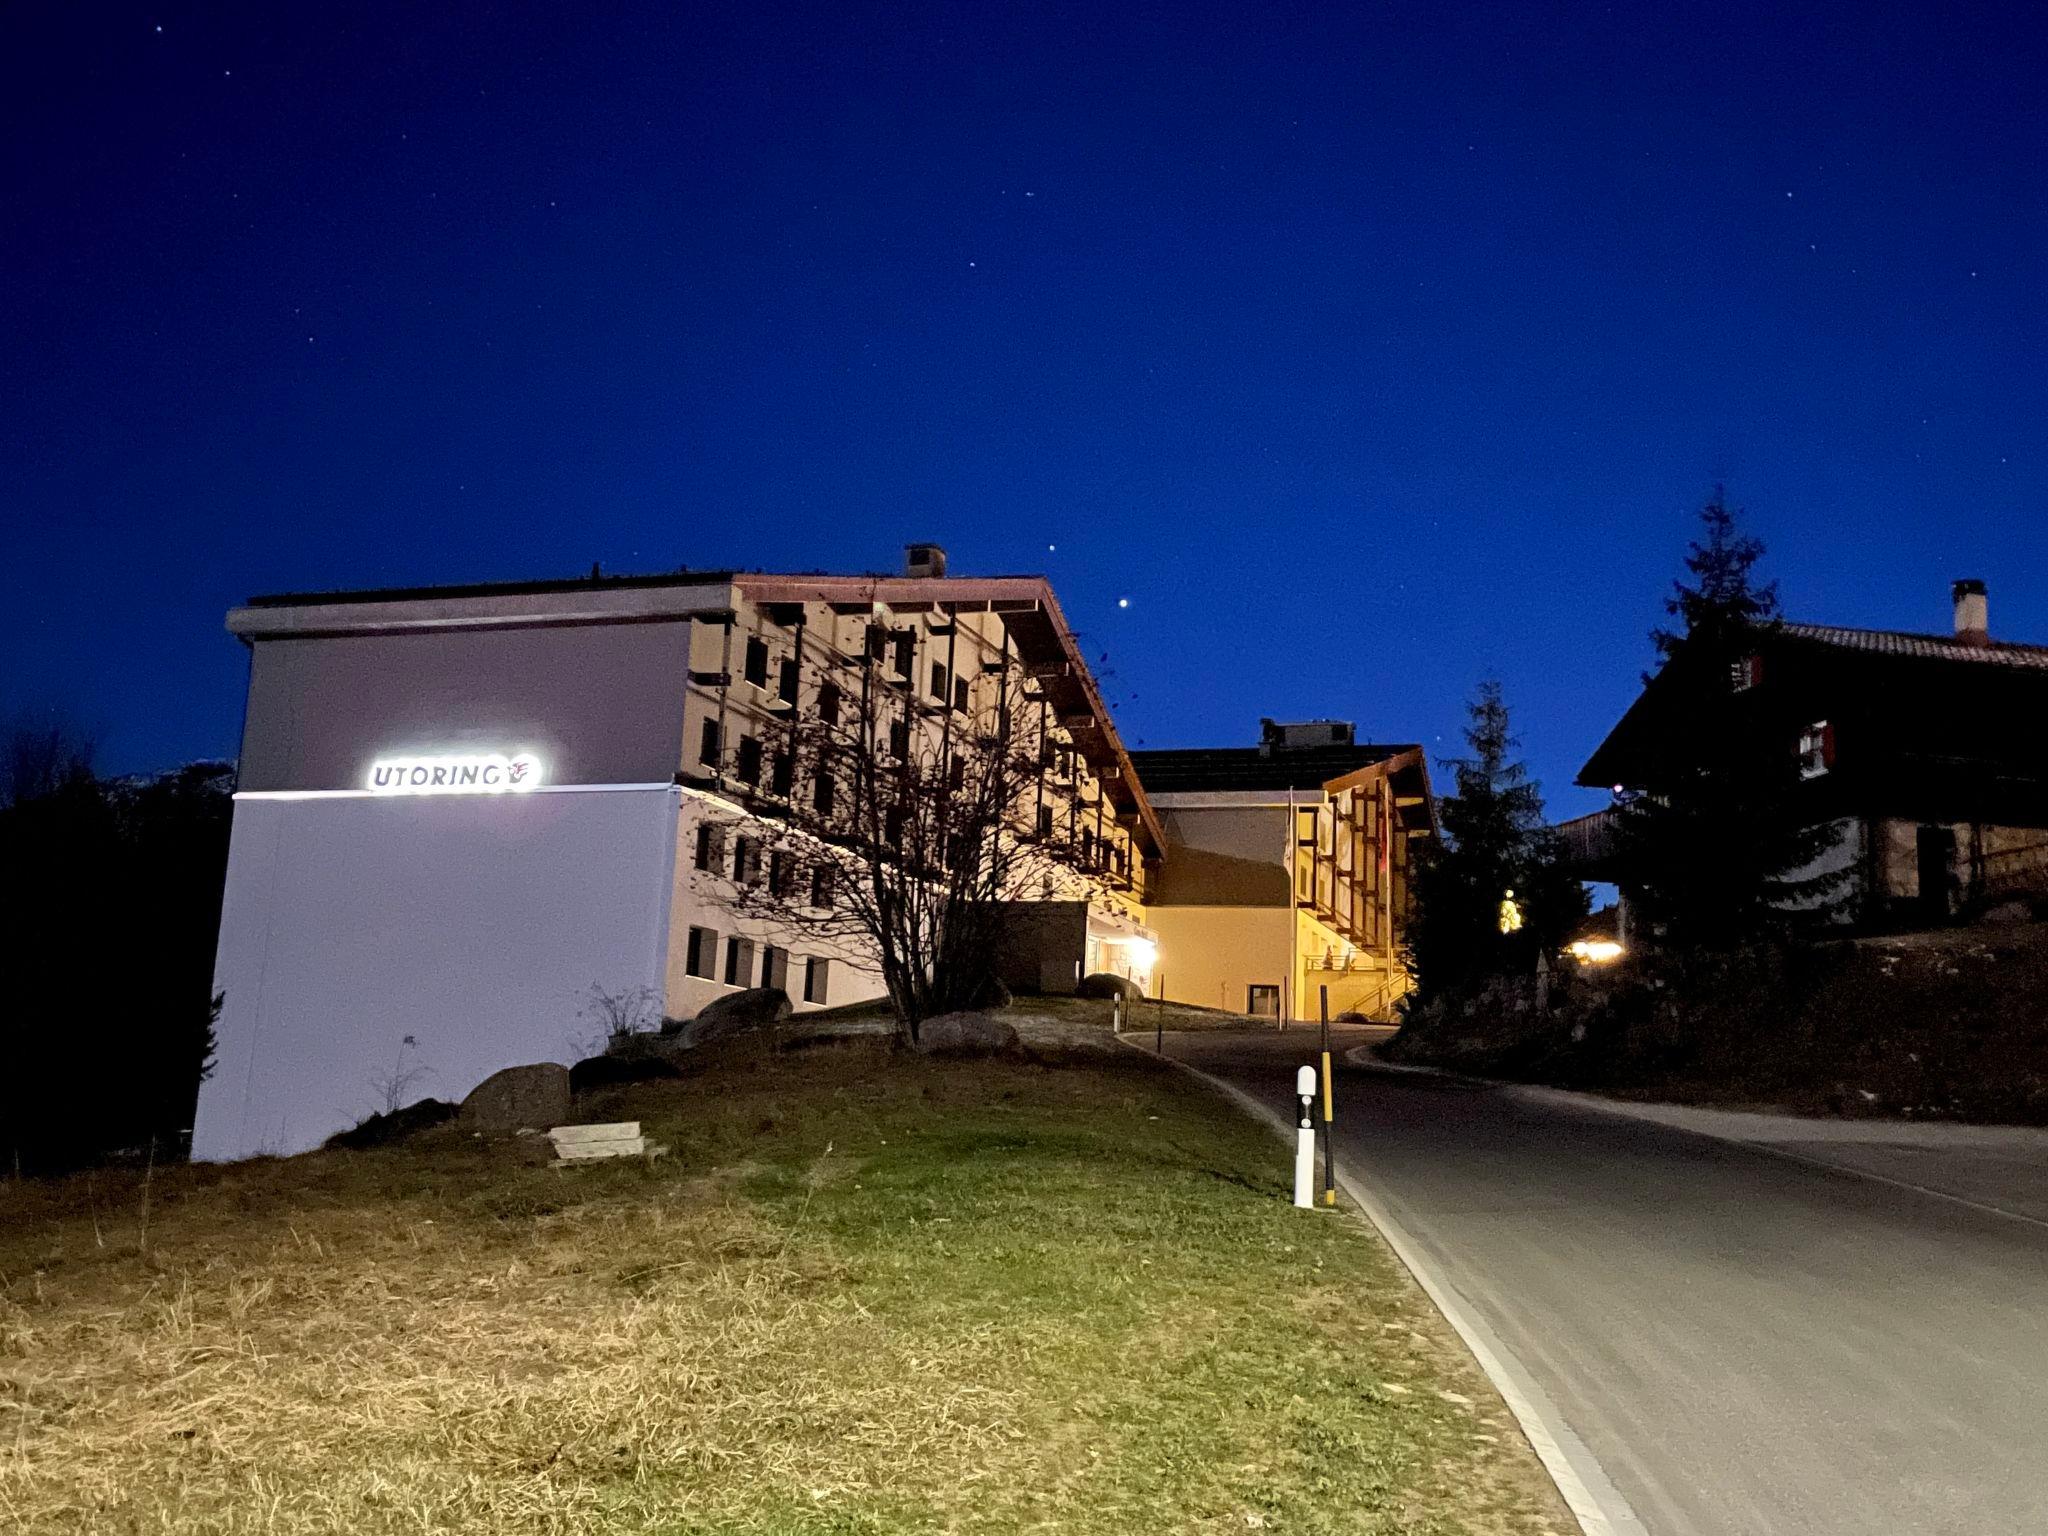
866 1294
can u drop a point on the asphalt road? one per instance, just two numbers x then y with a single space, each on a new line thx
1744 1343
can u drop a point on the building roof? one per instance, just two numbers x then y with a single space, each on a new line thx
594 583
1210 770
1045 642
1907 668
1895 642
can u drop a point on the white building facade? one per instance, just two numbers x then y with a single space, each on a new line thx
466 812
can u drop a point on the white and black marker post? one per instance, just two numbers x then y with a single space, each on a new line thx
1305 1137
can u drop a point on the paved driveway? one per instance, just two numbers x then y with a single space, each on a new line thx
1744 1343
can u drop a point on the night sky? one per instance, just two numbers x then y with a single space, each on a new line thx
1366 350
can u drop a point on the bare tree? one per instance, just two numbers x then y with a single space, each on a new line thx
42 751
614 1014
894 828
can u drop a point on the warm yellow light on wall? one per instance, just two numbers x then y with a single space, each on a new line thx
1594 951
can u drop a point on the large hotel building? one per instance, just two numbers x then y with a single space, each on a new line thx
464 812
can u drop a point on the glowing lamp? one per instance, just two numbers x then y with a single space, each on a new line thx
1594 951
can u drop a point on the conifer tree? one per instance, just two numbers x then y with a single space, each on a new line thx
1492 895
1719 849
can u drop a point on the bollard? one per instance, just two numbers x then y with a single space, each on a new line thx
1329 1112
1116 1015
1305 1138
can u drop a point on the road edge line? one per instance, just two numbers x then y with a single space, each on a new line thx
1596 1504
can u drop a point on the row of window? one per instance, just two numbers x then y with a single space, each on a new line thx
750 757
745 865
945 687
748 964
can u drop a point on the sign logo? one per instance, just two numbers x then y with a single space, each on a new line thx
462 773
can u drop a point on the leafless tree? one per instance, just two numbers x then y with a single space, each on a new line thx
894 829
394 1088
41 751
612 1014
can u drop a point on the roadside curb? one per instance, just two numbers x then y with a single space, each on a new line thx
1771 1135
1596 1504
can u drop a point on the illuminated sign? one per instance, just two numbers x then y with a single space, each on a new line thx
460 773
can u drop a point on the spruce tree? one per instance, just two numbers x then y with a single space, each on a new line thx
1496 848
1718 848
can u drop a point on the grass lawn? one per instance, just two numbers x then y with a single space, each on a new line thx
865 1293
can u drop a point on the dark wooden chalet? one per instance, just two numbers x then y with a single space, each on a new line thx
1930 752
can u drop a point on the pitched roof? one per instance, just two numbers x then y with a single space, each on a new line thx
1895 642
1199 770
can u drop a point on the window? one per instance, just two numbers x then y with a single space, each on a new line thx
878 642
775 968
960 695
757 662
1045 823
1262 1002
939 689
816 973
1745 674
709 746
1087 849
828 703
703 955
956 774
906 654
746 859
710 845
899 740
739 962
1816 750
821 885
785 687
748 766
781 872
892 826
782 775
821 791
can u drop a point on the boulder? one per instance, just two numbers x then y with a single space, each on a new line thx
966 1034
2014 911
519 1099
993 994
381 1130
609 1071
736 1014
1105 985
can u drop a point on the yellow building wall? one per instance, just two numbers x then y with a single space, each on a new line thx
1212 956
1209 956
1360 980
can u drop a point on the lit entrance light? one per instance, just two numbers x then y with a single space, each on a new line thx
1594 951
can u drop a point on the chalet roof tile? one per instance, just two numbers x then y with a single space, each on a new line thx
1894 642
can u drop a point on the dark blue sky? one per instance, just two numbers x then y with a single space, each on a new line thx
1367 350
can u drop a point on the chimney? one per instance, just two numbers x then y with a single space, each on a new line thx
924 560
1973 613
